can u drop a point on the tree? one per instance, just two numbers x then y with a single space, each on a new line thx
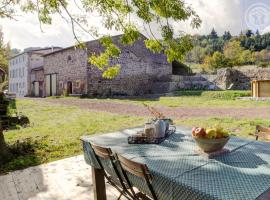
7 8
196 55
249 33
232 51
246 57
123 16
218 60
4 52
227 35
213 35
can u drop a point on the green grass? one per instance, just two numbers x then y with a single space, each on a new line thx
213 99
55 131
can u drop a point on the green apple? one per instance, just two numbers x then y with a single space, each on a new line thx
211 133
225 133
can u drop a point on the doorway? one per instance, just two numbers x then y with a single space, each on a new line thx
69 87
36 89
51 85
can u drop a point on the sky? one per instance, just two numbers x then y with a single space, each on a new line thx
223 15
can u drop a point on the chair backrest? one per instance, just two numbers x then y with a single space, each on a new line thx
263 129
103 152
106 154
135 168
263 132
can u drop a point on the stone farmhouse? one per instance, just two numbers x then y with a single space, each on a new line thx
142 72
23 77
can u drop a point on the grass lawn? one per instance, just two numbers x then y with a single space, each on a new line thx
195 99
55 130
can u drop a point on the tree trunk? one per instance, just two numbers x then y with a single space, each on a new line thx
4 152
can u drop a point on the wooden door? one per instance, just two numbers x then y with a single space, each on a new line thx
53 82
69 87
36 89
48 85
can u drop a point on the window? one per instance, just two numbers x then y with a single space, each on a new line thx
78 83
61 84
69 58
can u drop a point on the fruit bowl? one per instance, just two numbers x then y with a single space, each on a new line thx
211 145
211 139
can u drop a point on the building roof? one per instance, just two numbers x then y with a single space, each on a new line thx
115 38
37 68
35 51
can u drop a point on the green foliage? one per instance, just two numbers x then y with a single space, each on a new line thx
222 95
102 61
247 48
218 60
131 34
153 45
4 52
122 16
111 72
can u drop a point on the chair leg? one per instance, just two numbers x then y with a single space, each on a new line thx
120 196
142 196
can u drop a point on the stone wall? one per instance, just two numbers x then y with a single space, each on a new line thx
141 71
37 75
69 65
238 78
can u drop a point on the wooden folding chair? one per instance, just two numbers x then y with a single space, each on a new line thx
139 170
102 153
262 132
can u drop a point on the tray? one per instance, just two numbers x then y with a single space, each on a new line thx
139 139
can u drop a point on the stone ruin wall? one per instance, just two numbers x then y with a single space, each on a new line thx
229 78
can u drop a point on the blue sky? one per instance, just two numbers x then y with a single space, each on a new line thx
232 15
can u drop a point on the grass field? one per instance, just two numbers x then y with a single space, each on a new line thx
55 130
196 99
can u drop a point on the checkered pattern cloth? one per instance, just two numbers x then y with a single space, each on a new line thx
180 172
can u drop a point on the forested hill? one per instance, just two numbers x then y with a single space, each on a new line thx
213 51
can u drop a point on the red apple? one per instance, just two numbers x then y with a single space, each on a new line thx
200 132
193 130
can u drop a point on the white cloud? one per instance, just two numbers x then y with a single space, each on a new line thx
223 15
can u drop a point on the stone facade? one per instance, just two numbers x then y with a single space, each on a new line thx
20 68
70 67
37 80
140 70
238 78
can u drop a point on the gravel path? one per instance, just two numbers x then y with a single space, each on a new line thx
175 113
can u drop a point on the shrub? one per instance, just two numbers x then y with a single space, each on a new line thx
225 95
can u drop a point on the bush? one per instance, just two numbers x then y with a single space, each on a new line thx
225 95
263 64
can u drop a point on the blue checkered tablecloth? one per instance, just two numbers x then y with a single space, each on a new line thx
180 172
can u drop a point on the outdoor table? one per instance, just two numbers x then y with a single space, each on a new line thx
180 172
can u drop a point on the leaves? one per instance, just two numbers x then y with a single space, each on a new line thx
111 72
154 45
102 61
131 34
125 16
